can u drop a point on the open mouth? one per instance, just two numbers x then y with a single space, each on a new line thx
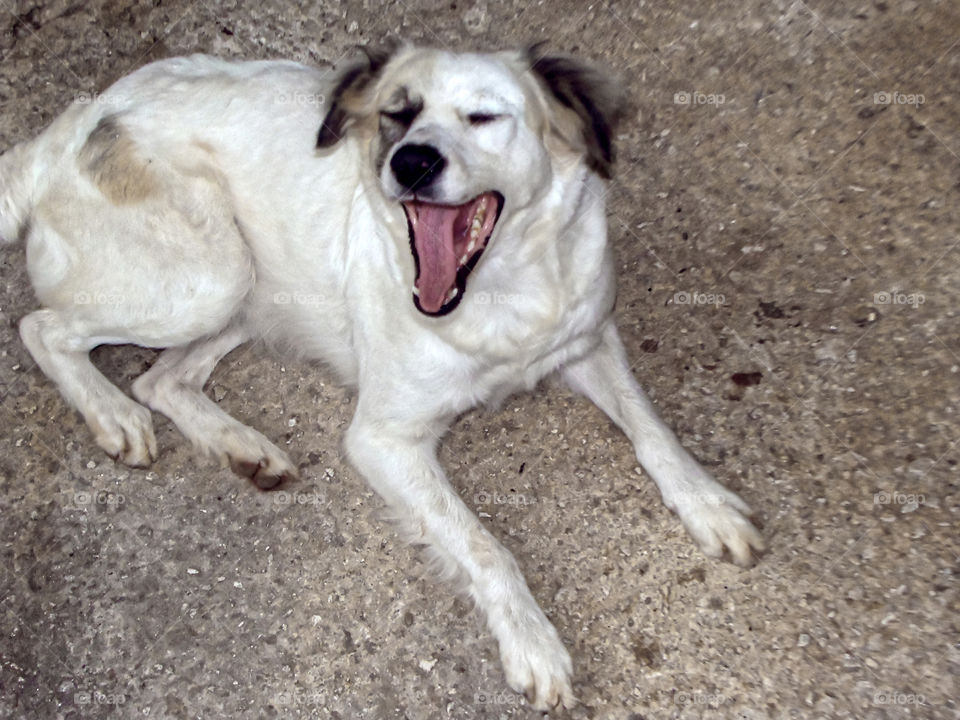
447 242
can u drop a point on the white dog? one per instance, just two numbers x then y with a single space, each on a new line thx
193 206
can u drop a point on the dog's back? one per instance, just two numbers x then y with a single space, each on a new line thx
157 111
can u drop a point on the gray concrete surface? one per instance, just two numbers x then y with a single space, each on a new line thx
783 227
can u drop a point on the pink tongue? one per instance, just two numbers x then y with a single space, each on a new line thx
433 237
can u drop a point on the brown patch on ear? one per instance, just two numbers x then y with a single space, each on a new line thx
585 105
112 160
349 101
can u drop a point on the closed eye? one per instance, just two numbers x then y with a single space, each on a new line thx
482 118
404 116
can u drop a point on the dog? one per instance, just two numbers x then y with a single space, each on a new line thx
193 204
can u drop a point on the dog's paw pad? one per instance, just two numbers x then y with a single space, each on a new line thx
265 472
249 454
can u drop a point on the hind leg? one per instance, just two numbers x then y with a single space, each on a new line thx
154 304
61 348
174 387
162 272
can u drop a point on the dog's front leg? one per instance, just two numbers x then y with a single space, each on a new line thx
713 515
402 467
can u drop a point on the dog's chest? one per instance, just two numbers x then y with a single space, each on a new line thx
465 364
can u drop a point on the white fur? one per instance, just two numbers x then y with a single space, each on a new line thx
215 220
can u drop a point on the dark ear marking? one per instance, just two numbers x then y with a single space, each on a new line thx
591 94
354 79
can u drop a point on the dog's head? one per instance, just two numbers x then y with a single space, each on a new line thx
458 139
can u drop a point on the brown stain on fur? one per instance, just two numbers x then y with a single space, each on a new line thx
111 159
483 548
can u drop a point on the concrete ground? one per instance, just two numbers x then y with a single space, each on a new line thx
785 219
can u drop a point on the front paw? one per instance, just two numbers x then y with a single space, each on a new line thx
716 518
537 665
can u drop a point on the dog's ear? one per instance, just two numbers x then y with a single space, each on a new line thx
348 99
591 95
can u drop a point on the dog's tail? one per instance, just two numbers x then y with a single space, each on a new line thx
15 191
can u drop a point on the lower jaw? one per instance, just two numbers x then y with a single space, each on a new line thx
448 306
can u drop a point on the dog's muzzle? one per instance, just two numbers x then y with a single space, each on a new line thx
416 167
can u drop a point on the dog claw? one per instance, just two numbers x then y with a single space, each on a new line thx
125 433
537 665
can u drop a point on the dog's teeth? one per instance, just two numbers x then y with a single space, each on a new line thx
453 294
463 259
473 244
416 291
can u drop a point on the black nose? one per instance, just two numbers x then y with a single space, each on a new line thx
417 166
